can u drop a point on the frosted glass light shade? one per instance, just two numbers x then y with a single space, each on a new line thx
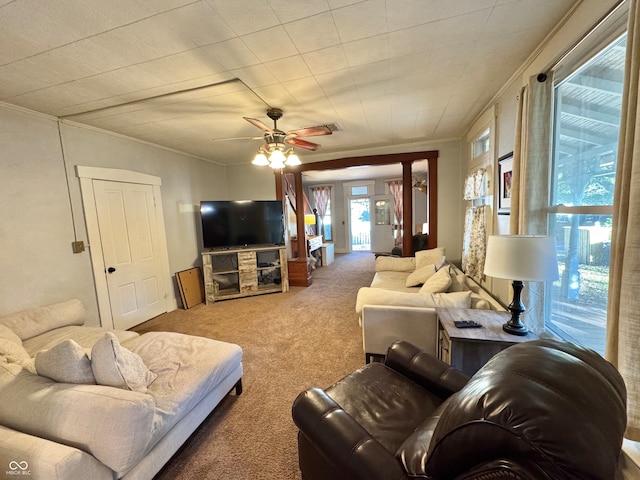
292 160
277 159
530 258
260 159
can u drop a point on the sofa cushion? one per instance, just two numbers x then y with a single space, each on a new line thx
420 275
66 362
114 365
12 350
413 451
438 283
112 424
29 323
188 367
392 281
434 256
379 296
395 264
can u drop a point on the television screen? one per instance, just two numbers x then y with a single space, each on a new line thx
227 224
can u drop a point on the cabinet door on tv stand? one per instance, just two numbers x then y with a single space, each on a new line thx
247 266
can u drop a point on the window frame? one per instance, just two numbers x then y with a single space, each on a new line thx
598 41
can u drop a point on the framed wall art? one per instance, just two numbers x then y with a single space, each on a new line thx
505 174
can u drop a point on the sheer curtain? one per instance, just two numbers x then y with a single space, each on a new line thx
321 196
475 241
395 187
623 316
530 179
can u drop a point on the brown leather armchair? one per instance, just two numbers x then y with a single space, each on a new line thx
538 410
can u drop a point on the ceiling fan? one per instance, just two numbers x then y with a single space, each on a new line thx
292 137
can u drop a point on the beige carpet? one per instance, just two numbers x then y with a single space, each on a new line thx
291 341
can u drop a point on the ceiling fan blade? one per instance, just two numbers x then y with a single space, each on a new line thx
298 142
311 131
236 138
259 124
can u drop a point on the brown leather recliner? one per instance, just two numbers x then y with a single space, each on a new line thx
538 410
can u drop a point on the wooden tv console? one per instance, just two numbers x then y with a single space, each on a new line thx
242 272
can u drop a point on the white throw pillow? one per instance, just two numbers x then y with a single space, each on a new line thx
458 283
438 283
451 300
8 334
114 365
65 362
434 256
395 264
479 303
420 275
12 351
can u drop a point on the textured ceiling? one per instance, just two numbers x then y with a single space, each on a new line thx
386 72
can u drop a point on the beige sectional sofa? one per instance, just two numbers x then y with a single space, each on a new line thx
401 300
149 393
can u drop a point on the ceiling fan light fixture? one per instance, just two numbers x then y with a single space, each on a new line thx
276 158
292 159
260 159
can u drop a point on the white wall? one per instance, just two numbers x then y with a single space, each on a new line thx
38 210
249 182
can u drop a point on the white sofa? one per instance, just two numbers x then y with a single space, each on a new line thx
77 431
389 310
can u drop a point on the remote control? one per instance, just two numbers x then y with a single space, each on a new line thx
467 324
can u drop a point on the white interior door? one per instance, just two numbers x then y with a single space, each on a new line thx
382 223
130 247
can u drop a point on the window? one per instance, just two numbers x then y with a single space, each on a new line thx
585 145
360 190
327 230
481 145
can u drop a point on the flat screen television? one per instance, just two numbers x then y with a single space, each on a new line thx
232 224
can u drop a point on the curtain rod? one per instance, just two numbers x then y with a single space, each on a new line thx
586 35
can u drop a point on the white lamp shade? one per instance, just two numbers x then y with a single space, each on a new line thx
530 258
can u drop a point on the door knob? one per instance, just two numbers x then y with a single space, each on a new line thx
111 269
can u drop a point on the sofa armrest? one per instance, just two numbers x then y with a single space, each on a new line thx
382 325
425 369
341 440
42 458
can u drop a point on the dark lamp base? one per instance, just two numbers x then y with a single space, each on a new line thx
515 326
515 329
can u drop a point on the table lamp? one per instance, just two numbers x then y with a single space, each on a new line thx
530 258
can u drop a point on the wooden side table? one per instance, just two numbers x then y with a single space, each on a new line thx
468 349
